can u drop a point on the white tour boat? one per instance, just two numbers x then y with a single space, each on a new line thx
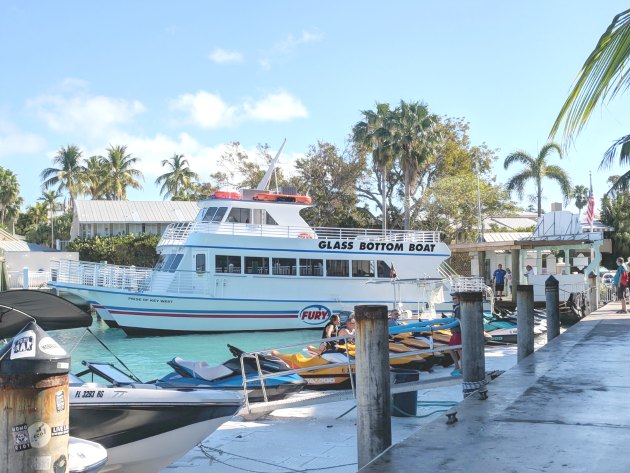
250 262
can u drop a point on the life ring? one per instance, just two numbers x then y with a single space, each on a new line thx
308 236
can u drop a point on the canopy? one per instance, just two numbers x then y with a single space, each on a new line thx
49 311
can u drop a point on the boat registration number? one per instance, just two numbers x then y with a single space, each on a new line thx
89 393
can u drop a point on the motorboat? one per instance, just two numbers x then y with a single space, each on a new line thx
146 428
250 262
143 427
229 375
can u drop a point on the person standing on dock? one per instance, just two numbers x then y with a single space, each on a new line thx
621 282
456 338
508 282
498 280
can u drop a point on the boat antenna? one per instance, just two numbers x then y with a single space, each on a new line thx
262 185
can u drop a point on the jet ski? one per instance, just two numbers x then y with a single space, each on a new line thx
319 376
228 375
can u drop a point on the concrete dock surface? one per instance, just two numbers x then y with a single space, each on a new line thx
565 408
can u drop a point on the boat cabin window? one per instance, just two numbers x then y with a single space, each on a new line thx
160 263
256 265
283 266
200 263
383 270
174 263
362 269
214 214
337 267
238 215
227 264
261 217
311 267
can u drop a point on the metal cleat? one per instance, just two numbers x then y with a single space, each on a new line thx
451 416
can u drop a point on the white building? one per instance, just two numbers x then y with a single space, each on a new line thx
116 217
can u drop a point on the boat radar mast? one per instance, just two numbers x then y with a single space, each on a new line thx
262 185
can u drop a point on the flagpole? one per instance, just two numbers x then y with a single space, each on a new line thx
591 196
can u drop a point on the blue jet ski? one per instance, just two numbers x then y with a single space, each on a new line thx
200 375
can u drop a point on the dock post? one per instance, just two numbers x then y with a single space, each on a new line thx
593 292
473 355
552 296
374 422
25 277
525 320
34 400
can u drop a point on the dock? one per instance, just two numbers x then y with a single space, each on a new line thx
562 409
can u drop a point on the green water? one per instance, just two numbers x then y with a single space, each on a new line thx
147 356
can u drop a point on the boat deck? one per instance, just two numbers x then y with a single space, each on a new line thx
561 409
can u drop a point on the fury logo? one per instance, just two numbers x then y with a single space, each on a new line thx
315 315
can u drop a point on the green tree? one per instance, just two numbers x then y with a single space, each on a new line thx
329 178
603 75
68 175
240 171
536 169
614 213
414 142
373 136
10 200
50 201
580 195
95 177
120 172
179 180
455 213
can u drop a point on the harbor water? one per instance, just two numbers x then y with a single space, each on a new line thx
146 357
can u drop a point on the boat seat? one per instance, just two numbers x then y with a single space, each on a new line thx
335 357
199 369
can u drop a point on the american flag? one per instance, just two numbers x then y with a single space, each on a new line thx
590 209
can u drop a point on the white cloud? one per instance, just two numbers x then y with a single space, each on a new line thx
73 109
16 142
278 107
221 56
204 109
208 110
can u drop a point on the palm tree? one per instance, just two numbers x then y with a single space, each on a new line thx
10 200
120 172
413 141
536 169
373 135
603 75
95 177
580 194
50 201
69 173
179 179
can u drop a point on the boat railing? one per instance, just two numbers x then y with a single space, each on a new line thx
177 233
130 278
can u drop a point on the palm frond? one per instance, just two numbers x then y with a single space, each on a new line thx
624 153
520 156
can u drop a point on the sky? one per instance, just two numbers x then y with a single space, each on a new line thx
166 77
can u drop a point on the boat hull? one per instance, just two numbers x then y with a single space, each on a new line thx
145 430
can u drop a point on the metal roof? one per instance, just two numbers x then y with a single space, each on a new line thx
511 222
505 236
13 245
124 211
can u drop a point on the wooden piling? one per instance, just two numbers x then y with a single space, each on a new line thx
552 307
34 400
525 320
473 354
374 428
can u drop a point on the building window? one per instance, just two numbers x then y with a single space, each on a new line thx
362 269
256 265
311 267
337 267
227 264
283 266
